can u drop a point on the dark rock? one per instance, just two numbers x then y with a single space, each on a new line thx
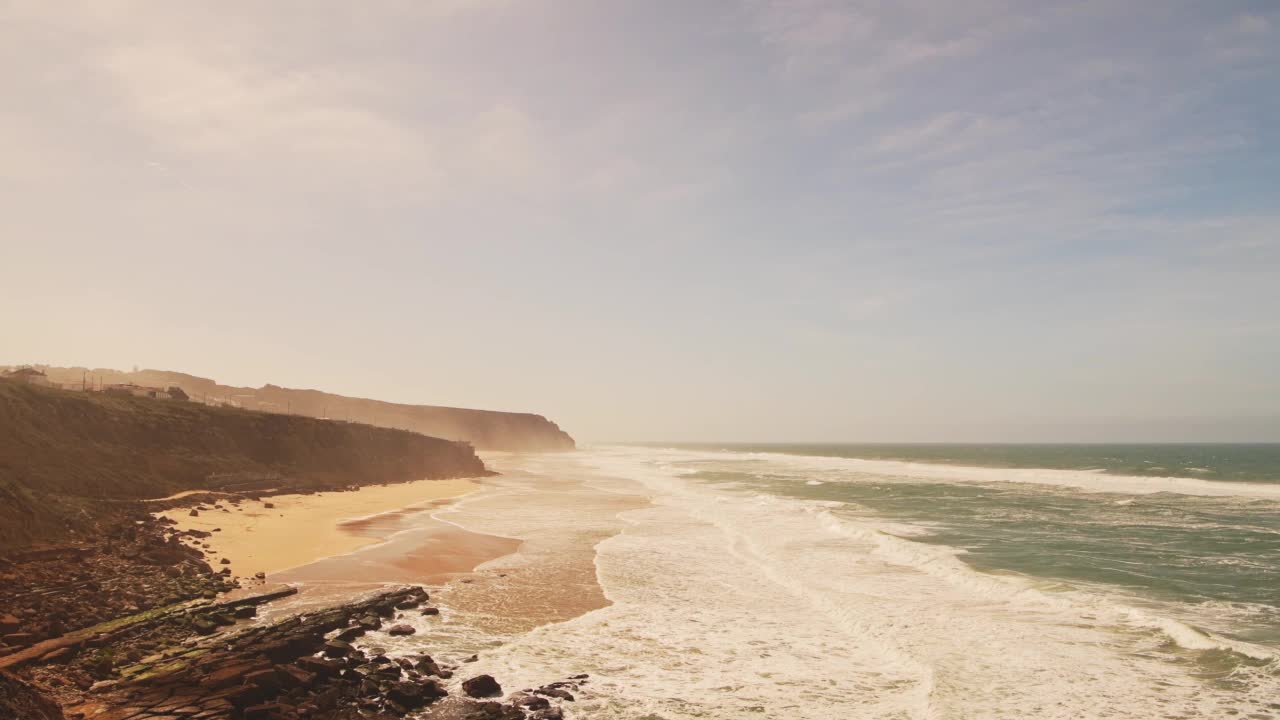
460 708
554 713
319 666
233 674
9 624
430 611
481 686
194 513
555 692
531 702
583 676
414 695
263 712
224 561
402 630
245 611
337 648
268 679
426 665
204 626
351 633
293 676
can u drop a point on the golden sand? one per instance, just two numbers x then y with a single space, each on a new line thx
301 529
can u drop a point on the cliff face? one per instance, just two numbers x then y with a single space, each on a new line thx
485 429
66 456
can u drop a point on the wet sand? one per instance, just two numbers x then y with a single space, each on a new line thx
303 529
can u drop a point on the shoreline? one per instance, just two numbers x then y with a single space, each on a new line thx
282 534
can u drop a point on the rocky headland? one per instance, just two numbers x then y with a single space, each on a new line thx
483 429
69 460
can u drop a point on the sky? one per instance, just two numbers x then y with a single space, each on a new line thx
787 220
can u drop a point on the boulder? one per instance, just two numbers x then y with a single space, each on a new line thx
337 648
430 611
531 702
402 630
414 695
481 686
426 665
350 634
555 692
9 624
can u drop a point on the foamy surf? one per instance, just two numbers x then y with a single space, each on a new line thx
850 469
724 602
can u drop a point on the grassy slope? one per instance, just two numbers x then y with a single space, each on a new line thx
63 453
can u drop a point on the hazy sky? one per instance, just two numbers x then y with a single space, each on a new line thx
663 220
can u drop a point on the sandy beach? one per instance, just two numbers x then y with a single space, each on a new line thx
289 531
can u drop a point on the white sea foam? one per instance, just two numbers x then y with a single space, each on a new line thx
841 469
729 605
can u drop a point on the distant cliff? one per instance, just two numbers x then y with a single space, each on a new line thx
485 429
66 457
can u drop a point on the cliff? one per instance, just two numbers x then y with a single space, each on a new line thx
484 429
67 457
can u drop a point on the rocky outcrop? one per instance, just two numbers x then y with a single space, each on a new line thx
484 429
289 670
20 701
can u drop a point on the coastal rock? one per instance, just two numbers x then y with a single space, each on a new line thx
337 648
555 692
531 702
400 630
430 611
481 686
351 633
413 695
459 708
9 624
426 665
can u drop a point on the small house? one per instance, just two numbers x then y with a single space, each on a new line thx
29 375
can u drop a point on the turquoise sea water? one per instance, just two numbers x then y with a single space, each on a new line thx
1217 552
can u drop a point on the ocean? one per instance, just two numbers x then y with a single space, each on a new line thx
882 581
